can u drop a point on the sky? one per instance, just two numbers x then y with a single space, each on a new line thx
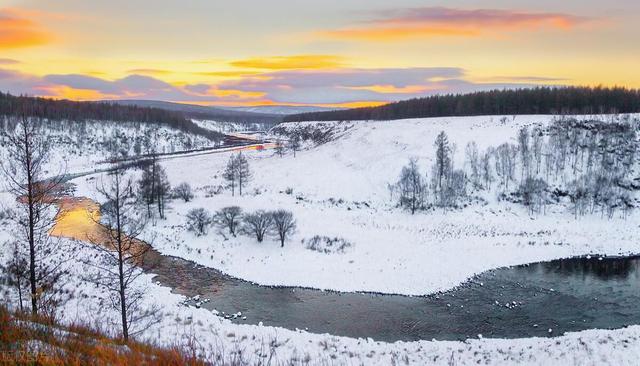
336 53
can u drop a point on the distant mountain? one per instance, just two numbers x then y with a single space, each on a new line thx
204 112
541 100
282 109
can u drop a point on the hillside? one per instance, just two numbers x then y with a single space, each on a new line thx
65 110
337 187
26 340
341 189
208 113
542 100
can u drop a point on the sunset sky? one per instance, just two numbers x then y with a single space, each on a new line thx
329 53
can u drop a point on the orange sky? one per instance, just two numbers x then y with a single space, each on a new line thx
286 52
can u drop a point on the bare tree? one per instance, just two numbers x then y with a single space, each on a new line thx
279 147
537 141
443 162
283 224
533 194
294 143
23 165
472 158
163 187
16 271
485 164
525 152
412 186
147 185
119 227
230 173
229 217
183 191
258 223
243 172
506 155
154 186
198 220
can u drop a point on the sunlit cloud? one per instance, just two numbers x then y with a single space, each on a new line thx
430 22
387 89
8 61
17 30
149 71
227 74
291 62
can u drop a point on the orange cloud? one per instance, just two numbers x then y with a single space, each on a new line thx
268 102
149 71
18 31
66 92
291 62
391 89
231 74
233 93
441 22
390 34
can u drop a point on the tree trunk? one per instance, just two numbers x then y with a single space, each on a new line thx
31 203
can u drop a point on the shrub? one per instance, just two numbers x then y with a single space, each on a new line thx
183 191
327 245
198 219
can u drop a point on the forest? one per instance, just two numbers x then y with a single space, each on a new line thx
59 110
541 100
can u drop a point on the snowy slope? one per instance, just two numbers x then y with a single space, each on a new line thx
339 189
80 146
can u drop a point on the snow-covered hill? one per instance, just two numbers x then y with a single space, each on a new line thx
341 189
81 145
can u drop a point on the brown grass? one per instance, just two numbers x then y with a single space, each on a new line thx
25 340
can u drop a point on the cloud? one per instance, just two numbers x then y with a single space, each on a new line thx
149 71
291 62
350 87
17 30
343 85
429 22
8 61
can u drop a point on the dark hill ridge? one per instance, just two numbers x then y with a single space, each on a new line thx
541 100
52 109
205 112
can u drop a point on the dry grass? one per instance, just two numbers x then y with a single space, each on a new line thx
25 340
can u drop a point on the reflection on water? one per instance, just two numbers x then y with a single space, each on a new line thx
562 295
596 266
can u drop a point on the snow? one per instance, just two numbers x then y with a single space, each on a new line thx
339 189
83 145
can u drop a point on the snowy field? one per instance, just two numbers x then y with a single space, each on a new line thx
339 189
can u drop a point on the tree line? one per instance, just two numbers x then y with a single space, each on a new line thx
540 100
50 109
587 163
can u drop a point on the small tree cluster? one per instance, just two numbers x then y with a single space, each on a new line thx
154 186
261 223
